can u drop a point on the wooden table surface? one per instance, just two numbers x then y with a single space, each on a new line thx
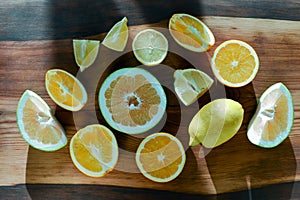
37 35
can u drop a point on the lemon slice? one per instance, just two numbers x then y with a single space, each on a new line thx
190 84
273 120
235 63
85 52
216 123
65 89
132 100
191 33
150 47
160 157
117 37
94 150
37 125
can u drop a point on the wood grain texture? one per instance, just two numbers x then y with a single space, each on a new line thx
234 166
36 20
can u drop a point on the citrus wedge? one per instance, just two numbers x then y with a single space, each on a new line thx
132 100
235 63
116 38
190 84
85 52
216 123
65 89
273 120
160 157
37 125
191 33
94 150
150 47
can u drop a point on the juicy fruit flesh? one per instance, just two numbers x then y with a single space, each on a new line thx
37 123
162 162
191 84
132 100
85 51
188 31
273 119
117 37
64 88
235 63
150 47
216 123
94 149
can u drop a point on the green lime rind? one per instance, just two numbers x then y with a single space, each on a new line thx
254 136
46 109
216 123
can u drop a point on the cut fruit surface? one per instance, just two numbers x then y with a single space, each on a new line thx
37 125
273 120
216 123
94 150
160 157
116 38
150 47
65 90
191 33
235 63
132 100
190 84
85 52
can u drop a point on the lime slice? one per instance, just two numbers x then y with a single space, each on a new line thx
190 84
85 52
116 38
216 123
273 120
150 47
37 125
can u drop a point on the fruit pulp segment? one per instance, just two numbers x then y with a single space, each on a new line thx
188 31
84 48
38 125
132 100
161 157
64 88
235 63
276 119
117 36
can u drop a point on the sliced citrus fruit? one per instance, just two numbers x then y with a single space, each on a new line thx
65 89
216 123
191 33
150 47
235 63
116 38
190 84
132 100
37 125
160 157
273 120
94 150
85 52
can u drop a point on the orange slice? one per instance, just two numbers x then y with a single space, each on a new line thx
191 84
132 100
85 52
191 33
235 63
273 120
160 157
37 125
116 38
94 150
65 90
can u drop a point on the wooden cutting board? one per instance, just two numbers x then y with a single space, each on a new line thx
234 166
